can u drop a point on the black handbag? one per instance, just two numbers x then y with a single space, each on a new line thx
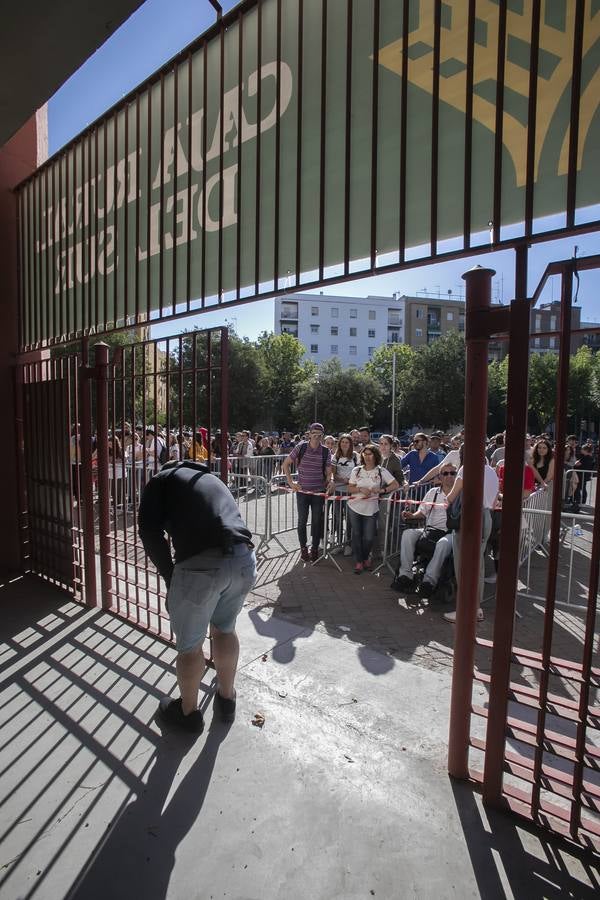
428 539
453 514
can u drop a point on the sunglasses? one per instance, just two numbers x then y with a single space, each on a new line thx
448 474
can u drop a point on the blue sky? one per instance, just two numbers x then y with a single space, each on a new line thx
155 33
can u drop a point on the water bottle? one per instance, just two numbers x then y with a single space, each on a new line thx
577 530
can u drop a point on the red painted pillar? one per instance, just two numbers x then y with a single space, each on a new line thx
18 159
478 300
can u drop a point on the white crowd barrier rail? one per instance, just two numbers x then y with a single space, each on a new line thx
253 500
578 483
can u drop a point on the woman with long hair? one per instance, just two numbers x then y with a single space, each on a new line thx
344 461
367 483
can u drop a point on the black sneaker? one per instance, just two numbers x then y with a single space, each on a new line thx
426 589
404 583
170 711
224 708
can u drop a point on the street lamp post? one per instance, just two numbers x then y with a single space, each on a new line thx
316 384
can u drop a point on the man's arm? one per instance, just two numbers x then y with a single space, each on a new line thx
428 476
329 480
286 466
151 529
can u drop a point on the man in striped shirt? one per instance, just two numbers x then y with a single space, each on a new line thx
315 476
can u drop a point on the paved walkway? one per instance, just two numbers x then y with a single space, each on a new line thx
342 794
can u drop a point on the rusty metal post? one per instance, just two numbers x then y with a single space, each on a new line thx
512 501
86 497
478 299
102 363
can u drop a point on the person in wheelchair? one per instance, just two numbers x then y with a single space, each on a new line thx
432 542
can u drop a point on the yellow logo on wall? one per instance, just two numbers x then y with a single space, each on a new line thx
555 66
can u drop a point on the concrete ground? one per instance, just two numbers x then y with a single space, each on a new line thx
343 792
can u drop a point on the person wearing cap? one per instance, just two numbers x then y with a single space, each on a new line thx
435 445
315 476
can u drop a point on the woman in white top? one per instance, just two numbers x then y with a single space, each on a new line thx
367 482
174 448
344 461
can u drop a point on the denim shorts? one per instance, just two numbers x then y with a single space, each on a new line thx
209 588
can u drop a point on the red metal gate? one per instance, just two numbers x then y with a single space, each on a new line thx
91 433
533 741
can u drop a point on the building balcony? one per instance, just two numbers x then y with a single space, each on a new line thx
289 315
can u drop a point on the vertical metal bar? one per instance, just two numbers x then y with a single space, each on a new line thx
115 271
323 141
105 183
102 363
180 393
134 470
238 242
516 426
469 77
560 419
48 279
149 217
55 267
574 121
161 230
96 231
586 671
277 151
478 298
175 176
188 268
532 114
74 244
86 501
499 124
204 144
435 117
225 402
347 137
126 316
89 234
194 337
70 497
221 150
36 257
403 133
374 132
61 227
22 315
258 150
138 151
299 140
209 374
19 391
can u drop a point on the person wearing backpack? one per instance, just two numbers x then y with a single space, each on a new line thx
315 476
367 482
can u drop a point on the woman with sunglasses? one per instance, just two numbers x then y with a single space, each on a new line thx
367 482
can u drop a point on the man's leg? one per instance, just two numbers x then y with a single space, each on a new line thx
190 669
442 551
316 520
303 502
226 651
407 551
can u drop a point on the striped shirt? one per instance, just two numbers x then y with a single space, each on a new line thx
310 469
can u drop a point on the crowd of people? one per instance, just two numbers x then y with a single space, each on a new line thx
425 476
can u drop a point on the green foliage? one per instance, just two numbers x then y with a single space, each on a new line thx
497 382
283 373
380 367
344 397
436 394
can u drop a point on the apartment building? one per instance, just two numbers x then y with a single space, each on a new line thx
349 328
427 318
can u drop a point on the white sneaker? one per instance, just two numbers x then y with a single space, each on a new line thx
491 579
347 550
451 616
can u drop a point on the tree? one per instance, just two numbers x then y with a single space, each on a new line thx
581 376
344 397
497 383
543 368
283 372
380 367
436 393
